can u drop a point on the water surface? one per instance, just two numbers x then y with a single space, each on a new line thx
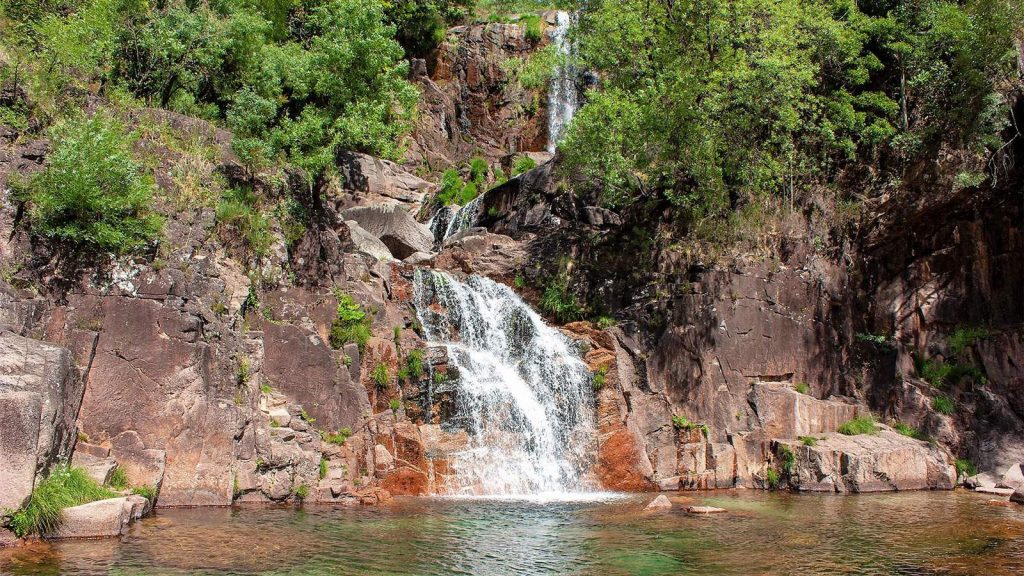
922 533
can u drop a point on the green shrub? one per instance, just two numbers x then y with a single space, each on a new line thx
808 440
323 467
532 27
683 423
605 322
560 303
239 221
787 458
469 192
147 492
394 404
935 372
302 492
600 377
351 324
449 189
478 171
772 478
119 479
859 425
962 338
92 195
965 467
523 164
414 364
802 387
337 438
242 371
380 376
943 405
63 488
876 339
519 281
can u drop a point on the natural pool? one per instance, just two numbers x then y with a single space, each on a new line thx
906 533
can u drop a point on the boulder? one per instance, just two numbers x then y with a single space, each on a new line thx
373 180
1017 496
870 463
660 502
1012 478
395 227
40 395
102 518
367 243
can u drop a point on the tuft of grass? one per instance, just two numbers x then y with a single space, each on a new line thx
338 438
119 479
802 387
808 440
394 404
63 488
242 372
265 388
787 458
323 467
963 338
532 28
147 492
772 478
859 425
351 324
560 302
240 221
380 376
302 492
965 467
523 164
935 372
683 423
908 431
943 405
600 378
604 322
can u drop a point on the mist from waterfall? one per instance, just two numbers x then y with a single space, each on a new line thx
521 390
563 97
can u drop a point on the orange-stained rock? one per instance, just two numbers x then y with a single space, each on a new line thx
406 481
620 463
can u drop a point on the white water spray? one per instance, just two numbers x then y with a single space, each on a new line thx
450 220
521 390
563 98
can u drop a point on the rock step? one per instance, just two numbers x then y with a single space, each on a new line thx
103 518
996 491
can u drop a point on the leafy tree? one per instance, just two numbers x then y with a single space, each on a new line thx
93 195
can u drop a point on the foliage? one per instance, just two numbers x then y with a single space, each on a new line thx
92 195
239 220
963 338
380 376
604 322
302 492
531 27
772 478
717 105
965 467
453 190
802 387
242 371
523 164
859 425
421 24
787 458
935 372
147 492
63 488
558 301
351 324
683 423
323 467
394 404
600 377
118 479
943 405
876 339
337 438
908 431
414 364
808 440
535 70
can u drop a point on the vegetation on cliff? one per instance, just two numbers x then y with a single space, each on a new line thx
63 488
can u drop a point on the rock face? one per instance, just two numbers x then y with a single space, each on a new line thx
369 180
870 463
395 227
40 394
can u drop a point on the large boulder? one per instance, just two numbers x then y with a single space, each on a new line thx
40 395
370 180
395 227
367 243
1017 496
869 463
102 518
1012 478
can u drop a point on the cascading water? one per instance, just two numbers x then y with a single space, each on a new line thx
450 220
563 98
521 392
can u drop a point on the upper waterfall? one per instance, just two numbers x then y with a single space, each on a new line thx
521 390
563 98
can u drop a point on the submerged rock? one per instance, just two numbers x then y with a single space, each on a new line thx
704 510
661 502
1017 496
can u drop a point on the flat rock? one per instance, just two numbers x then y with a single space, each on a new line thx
103 518
661 502
997 491
704 510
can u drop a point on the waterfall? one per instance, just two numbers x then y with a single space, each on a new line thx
450 220
521 391
562 95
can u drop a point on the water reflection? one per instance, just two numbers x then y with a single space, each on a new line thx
909 534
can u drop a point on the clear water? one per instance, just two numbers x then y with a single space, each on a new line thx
563 98
521 392
923 533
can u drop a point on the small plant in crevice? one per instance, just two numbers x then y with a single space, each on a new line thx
684 423
242 371
859 425
351 323
337 438
380 376
943 405
908 431
772 478
802 387
118 479
147 492
323 467
600 378
394 404
808 440
265 388
604 322
964 337
302 492
965 467
787 459
877 339
559 302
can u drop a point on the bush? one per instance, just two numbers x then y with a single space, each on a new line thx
92 195
63 488
380 376
943 405
323 467
240 221
560 303
351 324
532 27
935 372
523 164
859 425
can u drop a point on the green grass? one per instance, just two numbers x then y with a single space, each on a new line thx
523 164
351 323
147 492
240 220
802 387
859 425
772 478
600 378
963 338
323 467
935 372
559 302
302 492
684 423
380 376
965 467
908 431
531 23
338 438
808 440
394 404
787 458
63 488
119 479
943 405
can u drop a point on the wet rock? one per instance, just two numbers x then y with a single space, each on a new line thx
660 502
40 395
996 491
367 243
1017 496
1012 478
395 227
704 510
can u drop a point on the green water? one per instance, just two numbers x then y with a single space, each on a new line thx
906 534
